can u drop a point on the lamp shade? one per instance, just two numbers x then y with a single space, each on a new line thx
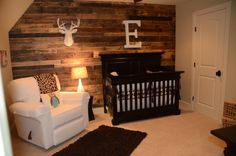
79 73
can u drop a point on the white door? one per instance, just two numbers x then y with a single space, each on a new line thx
210 36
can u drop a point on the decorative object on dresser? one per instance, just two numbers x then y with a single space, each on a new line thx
229 113
79 73
136 86
44 115
105 141
68 41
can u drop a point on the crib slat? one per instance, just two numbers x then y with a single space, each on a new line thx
155 93
159 93
145 92
126 99
114 99
136 97
164 93
172 92
167 91
140 95
150 95
120 97
130 97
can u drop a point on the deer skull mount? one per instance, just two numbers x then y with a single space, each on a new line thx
68 40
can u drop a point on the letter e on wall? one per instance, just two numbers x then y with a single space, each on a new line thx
134 33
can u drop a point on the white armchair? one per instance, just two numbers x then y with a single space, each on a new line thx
39 123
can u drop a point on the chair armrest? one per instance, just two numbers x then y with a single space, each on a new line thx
74 97
29 109
80 99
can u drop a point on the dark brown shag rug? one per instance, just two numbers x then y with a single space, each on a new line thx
104 141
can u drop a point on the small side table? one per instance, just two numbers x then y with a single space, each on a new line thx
90 109
227 134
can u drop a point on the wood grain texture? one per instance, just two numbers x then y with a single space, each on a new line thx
37 46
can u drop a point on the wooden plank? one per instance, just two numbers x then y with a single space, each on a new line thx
36 63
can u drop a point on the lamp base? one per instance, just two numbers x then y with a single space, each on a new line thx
80 86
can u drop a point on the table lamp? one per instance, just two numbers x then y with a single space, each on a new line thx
79 73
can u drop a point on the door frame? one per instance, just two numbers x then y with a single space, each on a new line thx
227 7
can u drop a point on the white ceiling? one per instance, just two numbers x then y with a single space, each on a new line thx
169 2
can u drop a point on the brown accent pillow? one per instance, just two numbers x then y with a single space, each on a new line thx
46 82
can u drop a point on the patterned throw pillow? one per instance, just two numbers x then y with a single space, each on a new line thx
46 82
52 100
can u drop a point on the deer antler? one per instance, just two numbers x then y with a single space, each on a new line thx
75 25
60 26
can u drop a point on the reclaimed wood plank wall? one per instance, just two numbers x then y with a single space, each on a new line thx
37 46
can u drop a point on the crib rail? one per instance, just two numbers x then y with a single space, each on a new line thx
145 95
130 97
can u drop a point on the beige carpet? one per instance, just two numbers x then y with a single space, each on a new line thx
187 134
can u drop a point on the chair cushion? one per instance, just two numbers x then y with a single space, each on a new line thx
24 90
65 113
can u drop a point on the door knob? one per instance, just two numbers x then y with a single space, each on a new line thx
218 73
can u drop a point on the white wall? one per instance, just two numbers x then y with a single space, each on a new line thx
231 71
10 12
184 20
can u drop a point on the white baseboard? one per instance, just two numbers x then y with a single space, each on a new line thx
185 105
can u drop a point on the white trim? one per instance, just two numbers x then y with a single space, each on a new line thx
226 48
185 105
227 7
193 60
